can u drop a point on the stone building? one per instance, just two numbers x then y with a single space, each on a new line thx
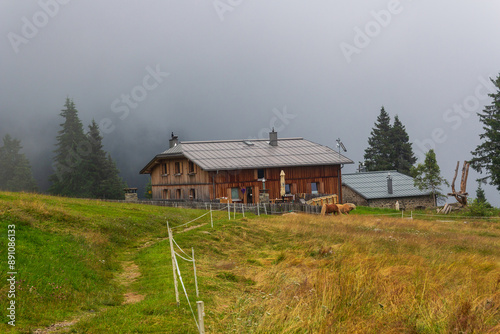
383 189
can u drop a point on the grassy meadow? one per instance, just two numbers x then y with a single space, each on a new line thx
96 267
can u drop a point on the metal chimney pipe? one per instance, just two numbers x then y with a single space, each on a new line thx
389 183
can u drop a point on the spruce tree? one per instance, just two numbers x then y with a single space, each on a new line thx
103 176
481 197
73 148
427 176
15 169
487 154
402 152
378 155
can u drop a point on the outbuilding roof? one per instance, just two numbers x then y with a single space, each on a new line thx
373 185
252 153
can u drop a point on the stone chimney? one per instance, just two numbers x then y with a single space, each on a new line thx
389 183
173 141
273 138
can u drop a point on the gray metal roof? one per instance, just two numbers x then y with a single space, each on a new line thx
247 154
372 185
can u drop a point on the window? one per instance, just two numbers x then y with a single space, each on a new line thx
165 194
288 188
314 188
260 174
178 194
164 169
235 193
177 168
191 167
192 194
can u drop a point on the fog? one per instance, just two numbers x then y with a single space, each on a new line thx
230 69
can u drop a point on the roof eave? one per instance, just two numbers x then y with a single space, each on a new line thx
152 163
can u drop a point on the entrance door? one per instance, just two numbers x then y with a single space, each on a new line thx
249 195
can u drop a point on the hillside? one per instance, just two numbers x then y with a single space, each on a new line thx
96 267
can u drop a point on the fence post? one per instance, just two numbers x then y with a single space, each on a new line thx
258 209
201 314
170 238
234 207
211 217
243 210
228 210
195 278
265 208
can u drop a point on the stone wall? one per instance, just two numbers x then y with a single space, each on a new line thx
131 197
406 203
350 196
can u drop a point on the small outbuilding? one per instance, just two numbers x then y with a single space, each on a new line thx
383 189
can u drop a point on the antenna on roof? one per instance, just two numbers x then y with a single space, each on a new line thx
340 144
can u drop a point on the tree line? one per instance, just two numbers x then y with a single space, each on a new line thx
389 148
81 167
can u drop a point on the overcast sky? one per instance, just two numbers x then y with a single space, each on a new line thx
230 69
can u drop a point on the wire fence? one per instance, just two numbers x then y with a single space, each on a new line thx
281 208
240 208
257 209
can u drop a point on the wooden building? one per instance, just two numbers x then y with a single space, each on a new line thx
244 170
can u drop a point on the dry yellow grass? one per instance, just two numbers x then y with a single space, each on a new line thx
362 274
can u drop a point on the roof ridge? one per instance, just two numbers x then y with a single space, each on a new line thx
235 140
375 172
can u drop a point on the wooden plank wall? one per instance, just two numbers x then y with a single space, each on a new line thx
199 180
300 179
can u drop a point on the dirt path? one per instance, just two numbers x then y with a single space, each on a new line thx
129 275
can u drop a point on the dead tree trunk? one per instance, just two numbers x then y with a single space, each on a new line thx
461 196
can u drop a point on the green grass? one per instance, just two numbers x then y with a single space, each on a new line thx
362 273
366 210
69 250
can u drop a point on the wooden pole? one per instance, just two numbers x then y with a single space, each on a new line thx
201 314
258 209
211 217
234 209
243 210
228 210
170 238
195 278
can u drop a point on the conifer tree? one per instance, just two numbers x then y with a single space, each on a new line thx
103 176
378 155
481 197
73 148
487 154
15 169
402 153
427 176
